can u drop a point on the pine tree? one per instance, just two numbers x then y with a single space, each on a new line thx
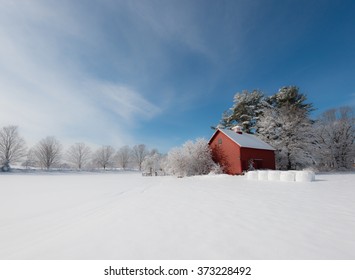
246 110
290 97
285 124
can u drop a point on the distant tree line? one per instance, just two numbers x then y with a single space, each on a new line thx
193 158
49 153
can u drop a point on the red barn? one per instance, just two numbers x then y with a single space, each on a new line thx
237 151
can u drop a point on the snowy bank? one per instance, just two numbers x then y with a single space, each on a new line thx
284 176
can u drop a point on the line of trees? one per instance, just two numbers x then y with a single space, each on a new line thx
284 121
49 153
193 158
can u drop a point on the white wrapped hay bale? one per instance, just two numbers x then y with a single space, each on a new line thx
305 176
263 175
287 176
274 175
252 175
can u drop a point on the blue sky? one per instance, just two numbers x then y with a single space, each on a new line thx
161 72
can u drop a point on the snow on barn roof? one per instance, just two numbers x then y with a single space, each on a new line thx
245 140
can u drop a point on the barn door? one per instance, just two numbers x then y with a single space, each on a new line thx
258 163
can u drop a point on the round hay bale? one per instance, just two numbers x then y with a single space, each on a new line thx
305 176
252 175
274 175
287 176
263 175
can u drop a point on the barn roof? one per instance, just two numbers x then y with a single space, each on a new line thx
245 140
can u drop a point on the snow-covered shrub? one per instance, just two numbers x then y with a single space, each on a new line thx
176 163
216 169
193 158
5 167
152 163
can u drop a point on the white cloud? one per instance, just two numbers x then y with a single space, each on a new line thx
124 102
45 90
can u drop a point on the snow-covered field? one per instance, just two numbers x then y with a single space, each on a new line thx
127 216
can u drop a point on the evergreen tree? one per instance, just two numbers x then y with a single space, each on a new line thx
290 97
246 110
285 124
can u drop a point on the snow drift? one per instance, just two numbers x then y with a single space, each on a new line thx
128 216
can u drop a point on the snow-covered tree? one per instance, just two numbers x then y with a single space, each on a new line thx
104 157
152 162
78 155
138 154
12 147
245 112
30 160
48 152
123 157
285 125
290 97
193 158
335 139
176 162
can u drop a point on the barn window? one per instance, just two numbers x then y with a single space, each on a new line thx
219 141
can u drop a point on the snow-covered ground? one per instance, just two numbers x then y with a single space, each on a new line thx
127 216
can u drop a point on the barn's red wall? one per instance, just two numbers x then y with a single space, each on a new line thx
234 159
267 158
227 154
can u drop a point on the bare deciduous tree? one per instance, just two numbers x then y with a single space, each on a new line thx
30 160
138 154
103 157
78 155
12 146
123 156
48 152
335 139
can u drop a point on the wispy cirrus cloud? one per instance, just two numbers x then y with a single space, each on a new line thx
114 71
45 87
